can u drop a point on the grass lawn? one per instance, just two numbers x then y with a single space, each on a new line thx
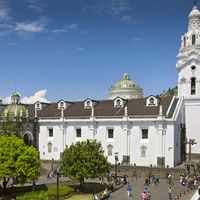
81 197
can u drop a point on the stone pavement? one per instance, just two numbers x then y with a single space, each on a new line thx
158 192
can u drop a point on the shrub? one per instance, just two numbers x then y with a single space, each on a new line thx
92 188
64 191
42 195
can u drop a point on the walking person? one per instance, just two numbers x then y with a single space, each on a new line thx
169 179
170 192
148 194
110 195
143 195
129 190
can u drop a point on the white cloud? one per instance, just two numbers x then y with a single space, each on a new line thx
126 19
4 11
9 25
80 49
35 5
112 7
71 27
32 27
120 6
136 39
38 96
12 44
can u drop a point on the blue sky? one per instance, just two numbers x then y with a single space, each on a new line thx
77 49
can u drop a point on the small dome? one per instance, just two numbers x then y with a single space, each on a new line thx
194 13
15 109
125 82
126 89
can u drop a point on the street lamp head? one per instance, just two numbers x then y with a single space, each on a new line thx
116 156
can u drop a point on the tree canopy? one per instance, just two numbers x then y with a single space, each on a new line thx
170 92
85 160
18 160
9 128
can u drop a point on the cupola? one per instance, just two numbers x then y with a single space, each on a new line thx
15 110
126 89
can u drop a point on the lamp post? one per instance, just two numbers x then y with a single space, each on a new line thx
116 160
57 195
57 182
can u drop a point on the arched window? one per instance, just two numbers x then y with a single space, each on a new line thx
38 105
193 86
184 42
88 103
151 101
118 102
143 151
61 104
49 145
110 150
193 39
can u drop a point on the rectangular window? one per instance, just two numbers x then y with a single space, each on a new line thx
144 133
110 133
50 132
78 132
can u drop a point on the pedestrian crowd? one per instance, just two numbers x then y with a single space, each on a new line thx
151 179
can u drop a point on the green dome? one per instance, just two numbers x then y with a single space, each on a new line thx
15 109
124 83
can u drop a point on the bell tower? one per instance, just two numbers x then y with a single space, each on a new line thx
188 59
188 67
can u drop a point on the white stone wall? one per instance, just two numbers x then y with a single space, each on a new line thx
125 142
192 115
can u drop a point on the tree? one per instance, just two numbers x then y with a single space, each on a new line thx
169 92
18 160
85 160
9 128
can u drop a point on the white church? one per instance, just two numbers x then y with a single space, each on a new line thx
142 131
151 131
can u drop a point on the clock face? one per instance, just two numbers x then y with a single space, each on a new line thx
194 24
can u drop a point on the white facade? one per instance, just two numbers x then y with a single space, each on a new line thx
160 141
142 131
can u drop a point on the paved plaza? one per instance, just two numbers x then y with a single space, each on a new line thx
158 192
